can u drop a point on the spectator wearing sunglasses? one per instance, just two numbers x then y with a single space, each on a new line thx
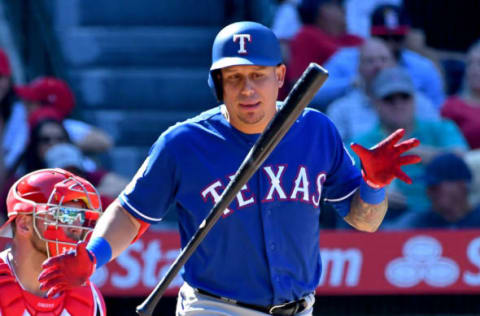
390 23
52 97
354 113
51 147
393 98
49 133
44 134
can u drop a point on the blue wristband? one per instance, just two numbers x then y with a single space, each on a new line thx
371 195
102 250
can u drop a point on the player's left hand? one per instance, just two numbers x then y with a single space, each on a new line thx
68 270
381 163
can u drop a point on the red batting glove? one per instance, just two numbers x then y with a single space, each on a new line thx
381 163
68 270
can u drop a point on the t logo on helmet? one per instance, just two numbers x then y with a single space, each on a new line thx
242 38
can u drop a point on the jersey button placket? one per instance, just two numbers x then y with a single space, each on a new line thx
271 245
270 231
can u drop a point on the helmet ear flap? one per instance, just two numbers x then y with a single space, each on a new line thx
215 83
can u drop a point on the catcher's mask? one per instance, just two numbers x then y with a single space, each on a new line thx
65 207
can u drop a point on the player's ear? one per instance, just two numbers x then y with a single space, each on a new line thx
280 71
23 224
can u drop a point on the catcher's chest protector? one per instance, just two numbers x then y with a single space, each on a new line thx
15 301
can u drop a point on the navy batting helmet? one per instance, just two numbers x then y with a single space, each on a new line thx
242 43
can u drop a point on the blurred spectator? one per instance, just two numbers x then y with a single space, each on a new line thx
447 179
46 133
390 24
354 113
286 21
393 99
42 136
322 33
13 126
51 147
286 24
464 109
69 157
472 159
52 97
358 14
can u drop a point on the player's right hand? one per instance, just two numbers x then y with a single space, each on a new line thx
68 270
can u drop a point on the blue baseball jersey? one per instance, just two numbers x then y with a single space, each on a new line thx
265 248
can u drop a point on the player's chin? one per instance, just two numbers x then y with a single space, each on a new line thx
252 118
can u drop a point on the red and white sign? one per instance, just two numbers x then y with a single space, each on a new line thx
137 270
408 262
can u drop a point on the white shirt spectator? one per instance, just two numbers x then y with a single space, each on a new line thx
286 21
15 136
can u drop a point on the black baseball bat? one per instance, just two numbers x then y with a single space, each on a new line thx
298 98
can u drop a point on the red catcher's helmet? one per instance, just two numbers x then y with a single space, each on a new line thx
44 194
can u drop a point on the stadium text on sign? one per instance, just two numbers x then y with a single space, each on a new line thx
353 263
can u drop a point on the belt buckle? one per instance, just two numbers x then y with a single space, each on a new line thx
296 307
272 309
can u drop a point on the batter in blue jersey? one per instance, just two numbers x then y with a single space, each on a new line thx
262 257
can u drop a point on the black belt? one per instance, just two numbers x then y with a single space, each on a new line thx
287 309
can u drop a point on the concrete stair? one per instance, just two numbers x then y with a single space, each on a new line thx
137 67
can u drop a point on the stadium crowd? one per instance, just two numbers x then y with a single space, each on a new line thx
383 76
386 71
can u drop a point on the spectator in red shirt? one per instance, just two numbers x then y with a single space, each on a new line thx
464 109
322 33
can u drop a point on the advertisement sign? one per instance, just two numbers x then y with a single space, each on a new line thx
409 262
354 263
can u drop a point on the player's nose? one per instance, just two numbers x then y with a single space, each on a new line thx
248 88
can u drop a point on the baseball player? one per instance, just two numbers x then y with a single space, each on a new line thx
262 257
49 211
